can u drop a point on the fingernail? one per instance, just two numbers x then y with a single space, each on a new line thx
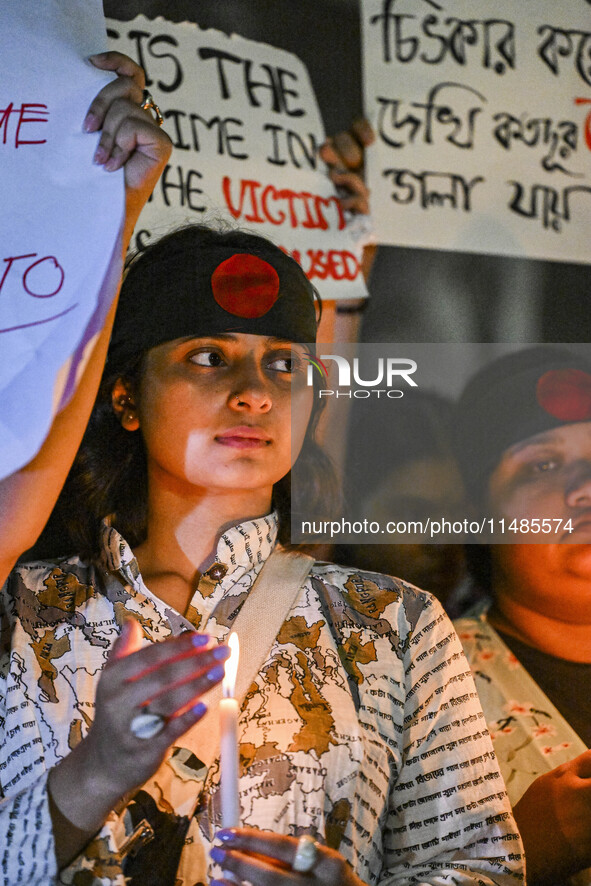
199 709
200 640
216 673
111 165
221 652
100 155
226 835
91 122
218 854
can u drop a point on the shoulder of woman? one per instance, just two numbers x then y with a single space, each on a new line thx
51 578
372 594
343 574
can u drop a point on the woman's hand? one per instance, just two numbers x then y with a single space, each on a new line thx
130 137
554 819
167 678
266 859
344 154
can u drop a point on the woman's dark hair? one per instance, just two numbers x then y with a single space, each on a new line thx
480 566
109 475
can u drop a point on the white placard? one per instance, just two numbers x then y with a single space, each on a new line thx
483 121
246 129
60 213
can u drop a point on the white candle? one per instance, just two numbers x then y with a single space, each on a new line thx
229 740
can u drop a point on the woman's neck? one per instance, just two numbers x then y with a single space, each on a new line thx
183 529
561 639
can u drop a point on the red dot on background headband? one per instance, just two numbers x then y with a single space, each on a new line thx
245 285
565 394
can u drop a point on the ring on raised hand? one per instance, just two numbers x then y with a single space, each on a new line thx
148 104
147 725
306 855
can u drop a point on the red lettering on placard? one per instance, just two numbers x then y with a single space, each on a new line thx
36 281
41 278
10 261
258 203
586 101
13 118
331 264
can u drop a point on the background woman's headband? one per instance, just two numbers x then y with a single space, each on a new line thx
514 398
198 281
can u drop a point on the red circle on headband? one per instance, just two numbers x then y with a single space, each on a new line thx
565 394
245 285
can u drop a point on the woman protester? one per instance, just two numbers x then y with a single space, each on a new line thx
363 752
524 445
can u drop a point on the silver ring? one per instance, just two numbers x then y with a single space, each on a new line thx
148 104
306 855
147 725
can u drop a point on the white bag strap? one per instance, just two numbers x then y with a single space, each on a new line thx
257 624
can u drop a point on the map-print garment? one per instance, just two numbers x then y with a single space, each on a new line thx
529 734
362 728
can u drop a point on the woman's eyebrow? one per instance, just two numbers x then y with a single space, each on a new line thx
209 336
230 336
277 340
532 442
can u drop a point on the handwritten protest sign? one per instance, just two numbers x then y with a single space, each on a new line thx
60 214
483 121
246 129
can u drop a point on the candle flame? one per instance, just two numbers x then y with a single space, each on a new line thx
231 666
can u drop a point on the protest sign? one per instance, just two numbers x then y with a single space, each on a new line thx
60 217
483 122
246 130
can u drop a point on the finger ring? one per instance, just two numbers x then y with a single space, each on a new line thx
147 725
306 855
148 104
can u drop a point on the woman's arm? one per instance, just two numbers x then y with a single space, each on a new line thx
129 139
46 821
111 761
449 814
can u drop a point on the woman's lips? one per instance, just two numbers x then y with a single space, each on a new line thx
244 437
581 527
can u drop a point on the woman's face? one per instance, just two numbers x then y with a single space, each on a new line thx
547 476
216 412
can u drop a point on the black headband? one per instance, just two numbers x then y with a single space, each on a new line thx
197 281
513 398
